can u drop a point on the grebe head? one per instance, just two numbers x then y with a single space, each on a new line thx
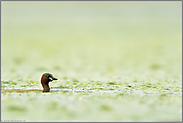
45 79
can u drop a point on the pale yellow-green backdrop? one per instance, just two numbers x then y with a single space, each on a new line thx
134 41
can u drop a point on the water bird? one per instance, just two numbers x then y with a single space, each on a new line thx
45 79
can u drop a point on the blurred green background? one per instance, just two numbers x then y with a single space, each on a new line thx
123 42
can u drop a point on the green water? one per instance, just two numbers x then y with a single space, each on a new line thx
133 49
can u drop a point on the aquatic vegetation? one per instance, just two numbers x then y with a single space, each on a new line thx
109 67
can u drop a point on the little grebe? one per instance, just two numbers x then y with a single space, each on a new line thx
45 79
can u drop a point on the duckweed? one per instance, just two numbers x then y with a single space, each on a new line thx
16 108
113 61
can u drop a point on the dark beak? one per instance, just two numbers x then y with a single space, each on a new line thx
54 78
